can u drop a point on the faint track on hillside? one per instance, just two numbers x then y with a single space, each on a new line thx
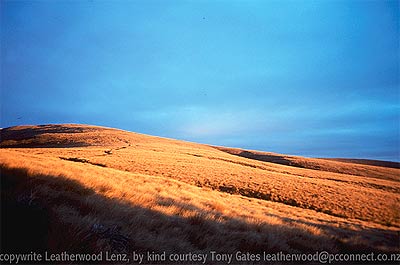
82 160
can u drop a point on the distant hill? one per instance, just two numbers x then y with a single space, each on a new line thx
360 167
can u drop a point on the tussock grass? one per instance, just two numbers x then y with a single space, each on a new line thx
158 194
333 193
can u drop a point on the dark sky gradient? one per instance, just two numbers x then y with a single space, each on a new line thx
312 78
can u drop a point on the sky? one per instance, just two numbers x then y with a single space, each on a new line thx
311 78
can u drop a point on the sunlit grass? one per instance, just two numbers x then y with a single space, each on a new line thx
160 194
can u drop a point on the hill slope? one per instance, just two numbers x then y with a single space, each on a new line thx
100 188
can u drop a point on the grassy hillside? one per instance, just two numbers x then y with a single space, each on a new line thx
88 188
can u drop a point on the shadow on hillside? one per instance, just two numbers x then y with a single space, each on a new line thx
363 236
57 214
27 137
269 158
370 162
275 158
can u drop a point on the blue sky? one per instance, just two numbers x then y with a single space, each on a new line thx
313 78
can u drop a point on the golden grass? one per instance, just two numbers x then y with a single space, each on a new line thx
336 194
159 194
